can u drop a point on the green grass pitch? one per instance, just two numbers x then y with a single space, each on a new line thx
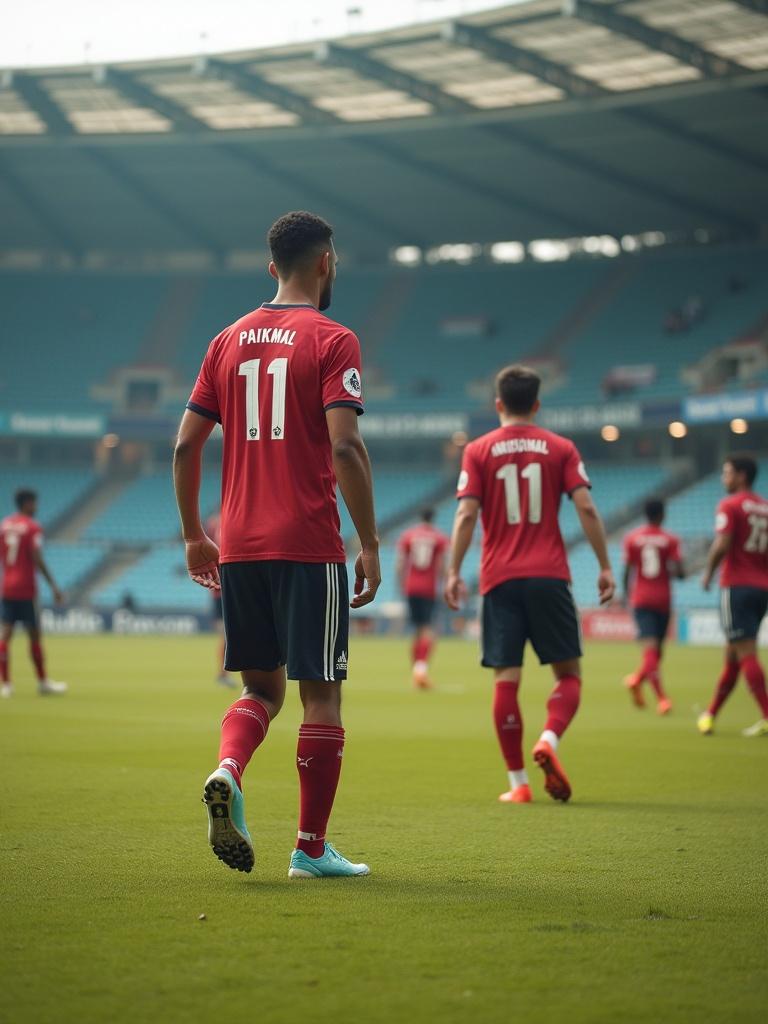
644 899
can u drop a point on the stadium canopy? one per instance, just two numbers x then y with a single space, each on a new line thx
539 120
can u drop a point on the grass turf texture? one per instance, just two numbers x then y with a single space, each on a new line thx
642 900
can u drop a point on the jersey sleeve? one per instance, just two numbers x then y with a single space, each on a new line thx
37 538
470 483
675 550
724 517
574 471
203 399
404 544
342 380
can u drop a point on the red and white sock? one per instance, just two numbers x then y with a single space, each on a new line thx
318 759
421 650
38 660
509 730
753 672
5 662
562 705
725 685
243 729
648 665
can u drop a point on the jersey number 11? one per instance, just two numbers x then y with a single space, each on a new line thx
531 473
278 370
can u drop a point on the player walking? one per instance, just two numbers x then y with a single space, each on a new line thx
741 545
420 553
285 383
651 557
21 542
517 475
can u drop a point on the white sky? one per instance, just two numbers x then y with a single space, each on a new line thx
57 32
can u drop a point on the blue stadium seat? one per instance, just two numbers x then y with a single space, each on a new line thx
58 489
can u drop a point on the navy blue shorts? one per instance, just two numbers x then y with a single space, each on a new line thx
421 611
20 611
537 609
286 613
742 610
651 624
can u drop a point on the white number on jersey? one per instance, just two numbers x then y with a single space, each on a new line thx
531 473
12 542
278 370
650 562
422 550
757 542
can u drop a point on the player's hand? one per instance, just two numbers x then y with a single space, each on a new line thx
706 581
58 597
606 586
455 592
367 577
203 562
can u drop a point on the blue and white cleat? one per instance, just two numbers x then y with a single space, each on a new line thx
227 832
330 865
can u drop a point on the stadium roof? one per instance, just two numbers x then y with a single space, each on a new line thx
539 119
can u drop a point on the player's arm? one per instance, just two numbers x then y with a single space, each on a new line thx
45 572
463 530
353 472
202 553
716 554
594 531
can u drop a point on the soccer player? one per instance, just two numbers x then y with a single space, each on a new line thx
21 542
285 382
651 557
213 530
741 545
420 553
517 475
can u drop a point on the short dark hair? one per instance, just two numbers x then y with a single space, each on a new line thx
745 464
654 510
518 388
427 514
23 496
294 238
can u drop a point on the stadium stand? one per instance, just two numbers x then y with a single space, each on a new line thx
58 489
70 562
158 580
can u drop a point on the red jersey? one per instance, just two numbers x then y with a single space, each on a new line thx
519 474
422 549
269 379
744 516
651 552
20 537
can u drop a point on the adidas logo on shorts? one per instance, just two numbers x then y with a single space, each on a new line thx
341 662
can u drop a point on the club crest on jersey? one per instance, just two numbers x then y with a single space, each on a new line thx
352 383
463 480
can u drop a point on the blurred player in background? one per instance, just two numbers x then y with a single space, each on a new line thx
651 558
21 542
517 476
285 383
420 555
741 545
213 529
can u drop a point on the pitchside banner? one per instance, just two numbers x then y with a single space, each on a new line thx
85 621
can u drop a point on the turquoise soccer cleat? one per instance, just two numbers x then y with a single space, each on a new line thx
227 832
330 865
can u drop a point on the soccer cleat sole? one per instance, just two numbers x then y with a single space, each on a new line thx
555 780
226 841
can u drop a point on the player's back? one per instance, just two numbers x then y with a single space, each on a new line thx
423 547
269 378
19 536
519 474
651 551
744 516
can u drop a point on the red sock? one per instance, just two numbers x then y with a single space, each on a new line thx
5 662
755 677
649 664
563 704
421 648
318 758
509 724
654 676
243 729
725 685
36 653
